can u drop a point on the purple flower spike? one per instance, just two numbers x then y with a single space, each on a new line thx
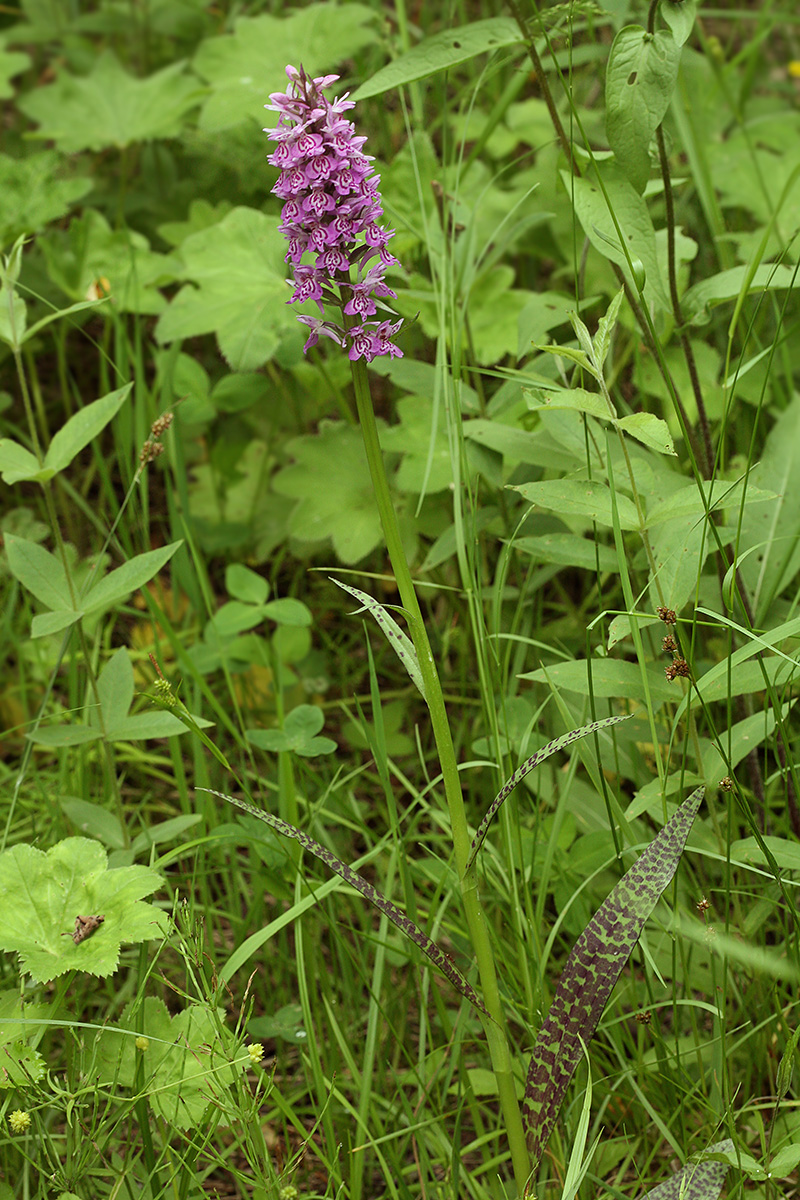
331 203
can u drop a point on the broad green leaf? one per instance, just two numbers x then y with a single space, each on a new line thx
299 734
648 429
140 726
21 1064
89 253
244 67
589 498
406 926
591 971
441 52
39 571
542 312
605 328
425 465
246 585
740 676
45 624
165 831
115 688
610 678
577 398
95 821
344 509
568 550
238 290
728 285
13 317
737 742
767 960
110 108
82 427
722 496
12 62
35 190
17 463
187 1062
289 612
44 893
56 737
680 16
632 216
703 1180
399 641
774 527
640 79
786 853
559 743
127 578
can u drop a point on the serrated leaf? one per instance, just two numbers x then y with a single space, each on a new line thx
244 66
34 191
344 510
187 1061
406 926
399 641
123 109
442 52
45 892
238 289
640 79
695 1181
559 743
20 1064
589 498
82 427
591 971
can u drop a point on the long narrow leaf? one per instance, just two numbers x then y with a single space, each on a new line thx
399 641
592 969
558 743
695 1181
398 918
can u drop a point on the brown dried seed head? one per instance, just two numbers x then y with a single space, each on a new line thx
669 644
667 615
726 784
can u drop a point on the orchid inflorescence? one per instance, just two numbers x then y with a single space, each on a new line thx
331 205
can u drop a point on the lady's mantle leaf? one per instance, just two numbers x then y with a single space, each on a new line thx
43 894
696 1181
187 1062
592 969
398 918
109 107
20 1064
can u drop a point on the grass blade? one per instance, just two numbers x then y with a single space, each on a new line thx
592 969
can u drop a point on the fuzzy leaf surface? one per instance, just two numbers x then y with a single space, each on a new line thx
591 971
41 895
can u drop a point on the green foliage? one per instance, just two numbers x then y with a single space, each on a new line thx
42 893
595 421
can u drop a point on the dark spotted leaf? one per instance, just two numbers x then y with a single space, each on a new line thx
558 743
398 918
695 1181
592 969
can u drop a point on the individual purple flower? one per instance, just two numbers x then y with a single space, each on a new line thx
331 206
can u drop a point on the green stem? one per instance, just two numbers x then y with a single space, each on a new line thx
495 1028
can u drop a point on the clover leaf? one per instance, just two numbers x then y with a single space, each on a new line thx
44 897
298 734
